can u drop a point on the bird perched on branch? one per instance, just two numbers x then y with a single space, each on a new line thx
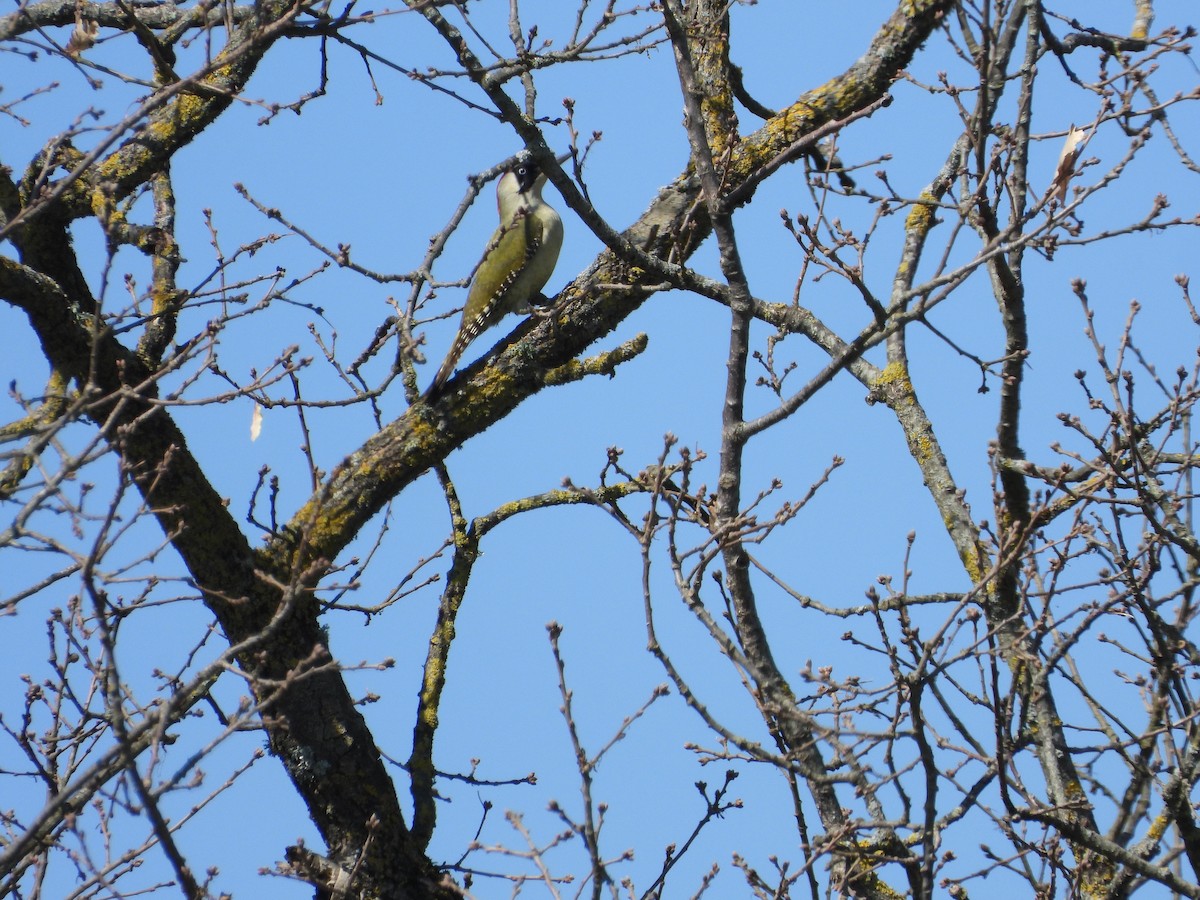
517 263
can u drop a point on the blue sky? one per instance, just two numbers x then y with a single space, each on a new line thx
383 178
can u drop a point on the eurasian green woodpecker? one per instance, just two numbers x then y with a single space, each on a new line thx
516 265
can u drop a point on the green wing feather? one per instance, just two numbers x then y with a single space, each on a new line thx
491 295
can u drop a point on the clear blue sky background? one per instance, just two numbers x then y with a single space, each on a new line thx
385 177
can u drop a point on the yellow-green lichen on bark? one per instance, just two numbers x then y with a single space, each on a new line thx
791 124
894 387
921 217
893 379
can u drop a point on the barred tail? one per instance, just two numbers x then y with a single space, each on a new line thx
466 334
461 342
444 372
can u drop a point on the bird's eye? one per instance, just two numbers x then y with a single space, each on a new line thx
522 171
